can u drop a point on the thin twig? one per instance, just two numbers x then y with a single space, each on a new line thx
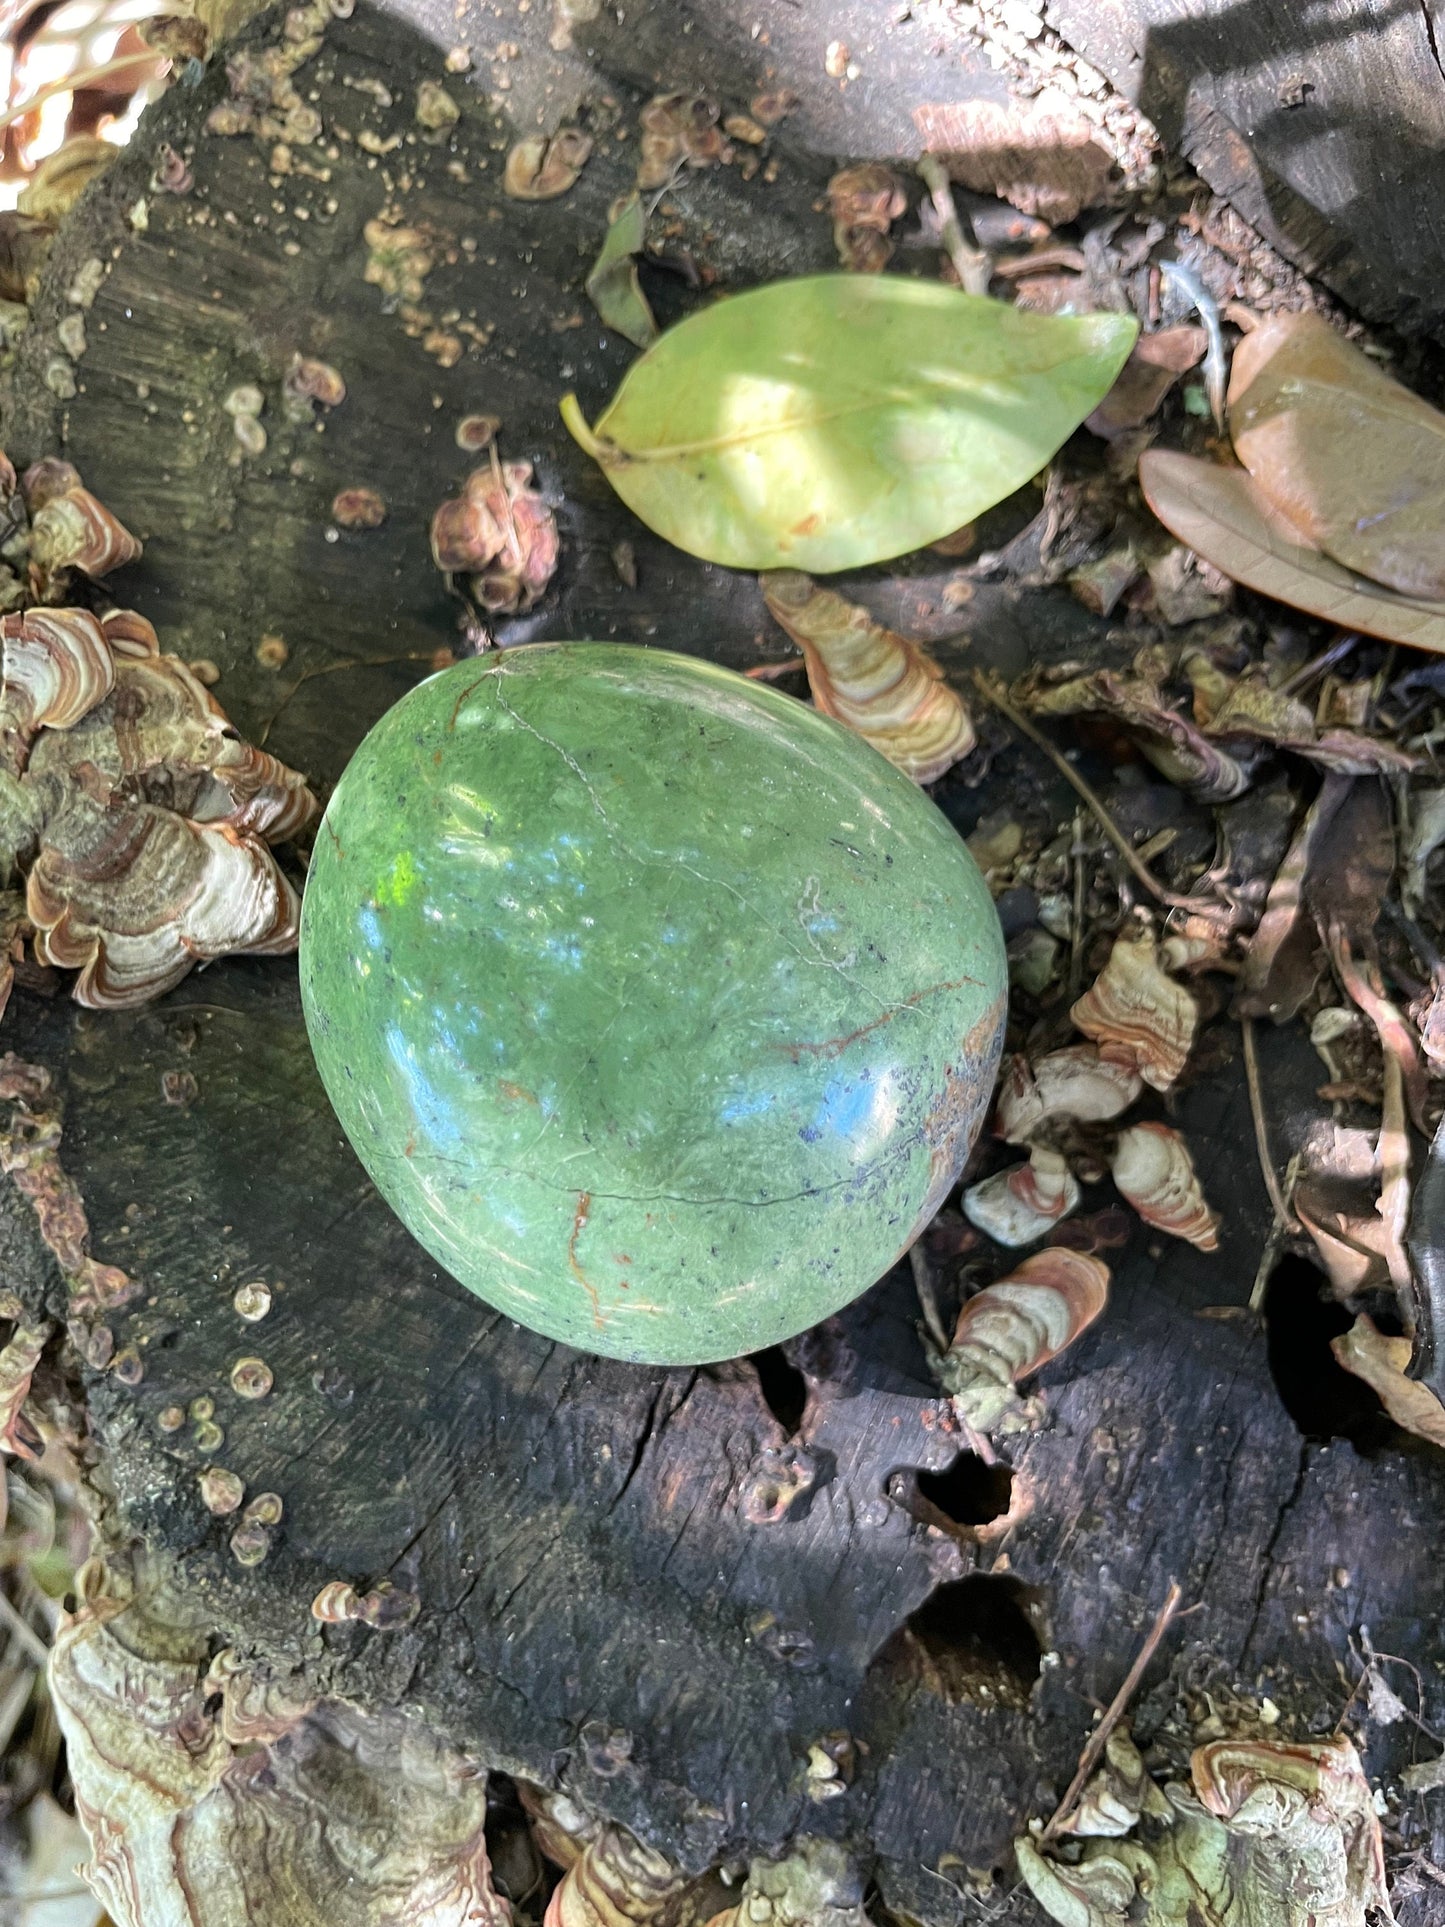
1099 1738
1261 1127
927 1303
1317 665
1076 922
993 693
1279 1230
972 265
332 669
32 1642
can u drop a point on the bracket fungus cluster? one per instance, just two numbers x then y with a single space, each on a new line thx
1264 1832
1140 1022
136 816
500 534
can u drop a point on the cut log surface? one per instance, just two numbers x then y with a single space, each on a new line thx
576 1531
1324 125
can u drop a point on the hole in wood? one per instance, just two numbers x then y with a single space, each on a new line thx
971 1492
1324 1400
783 1386
974 1639
519 1872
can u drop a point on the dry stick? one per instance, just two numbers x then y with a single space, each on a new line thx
34 1645
1279 1230
332 669
1261 1127
927 1303
1099 1738
972 265
994 694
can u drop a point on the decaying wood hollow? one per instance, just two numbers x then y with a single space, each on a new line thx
603 1602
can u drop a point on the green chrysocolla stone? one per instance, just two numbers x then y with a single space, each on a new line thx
661 1009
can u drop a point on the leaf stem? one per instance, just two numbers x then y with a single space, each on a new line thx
577 427
972 265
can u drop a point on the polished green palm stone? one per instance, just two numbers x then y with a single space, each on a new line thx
661 1009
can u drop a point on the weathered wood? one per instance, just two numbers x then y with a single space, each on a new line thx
1324 125
573 1529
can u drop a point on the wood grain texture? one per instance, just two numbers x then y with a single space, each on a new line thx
574 1529
1324 125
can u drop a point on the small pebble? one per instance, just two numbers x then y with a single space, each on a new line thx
222 1491
253 1301
251 1378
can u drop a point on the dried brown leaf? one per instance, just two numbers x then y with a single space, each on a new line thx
1353 459
1381 1361
1223 515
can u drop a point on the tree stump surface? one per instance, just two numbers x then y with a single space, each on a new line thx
1324 125
595 1609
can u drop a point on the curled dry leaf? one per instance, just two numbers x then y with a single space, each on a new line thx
266 1806
1382 1362
1077 1083
1353 459
678 130
1137 1014
501 533
1157 362
833 421
543 166
1152 1167
864 202
1266 1833
615 1881
1013 1328
612 284
1021 1205
1176 745
881 685
1223 515
1348 1233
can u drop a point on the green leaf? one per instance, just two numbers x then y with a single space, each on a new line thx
612 286
841 419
